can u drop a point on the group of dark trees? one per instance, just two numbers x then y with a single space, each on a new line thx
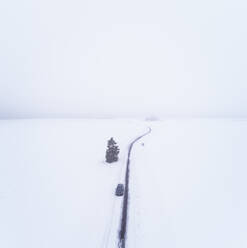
112 151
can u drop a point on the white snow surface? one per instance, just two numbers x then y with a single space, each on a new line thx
187 184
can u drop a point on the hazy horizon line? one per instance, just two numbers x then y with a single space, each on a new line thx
148 117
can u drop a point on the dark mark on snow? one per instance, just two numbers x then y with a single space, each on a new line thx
123 227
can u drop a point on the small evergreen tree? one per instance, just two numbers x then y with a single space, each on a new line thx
112 151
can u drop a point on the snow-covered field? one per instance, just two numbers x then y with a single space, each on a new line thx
187 184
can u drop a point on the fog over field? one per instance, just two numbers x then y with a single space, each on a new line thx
123 124
123 58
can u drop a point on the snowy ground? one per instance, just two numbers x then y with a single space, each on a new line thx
189 187
187 184
55 190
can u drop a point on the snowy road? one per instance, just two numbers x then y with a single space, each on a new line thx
123 229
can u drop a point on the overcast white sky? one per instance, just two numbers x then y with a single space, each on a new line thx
131 57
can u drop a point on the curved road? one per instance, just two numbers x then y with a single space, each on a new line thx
123 227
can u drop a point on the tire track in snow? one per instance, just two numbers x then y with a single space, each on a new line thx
123 227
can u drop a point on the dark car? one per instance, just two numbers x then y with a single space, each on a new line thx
119 190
